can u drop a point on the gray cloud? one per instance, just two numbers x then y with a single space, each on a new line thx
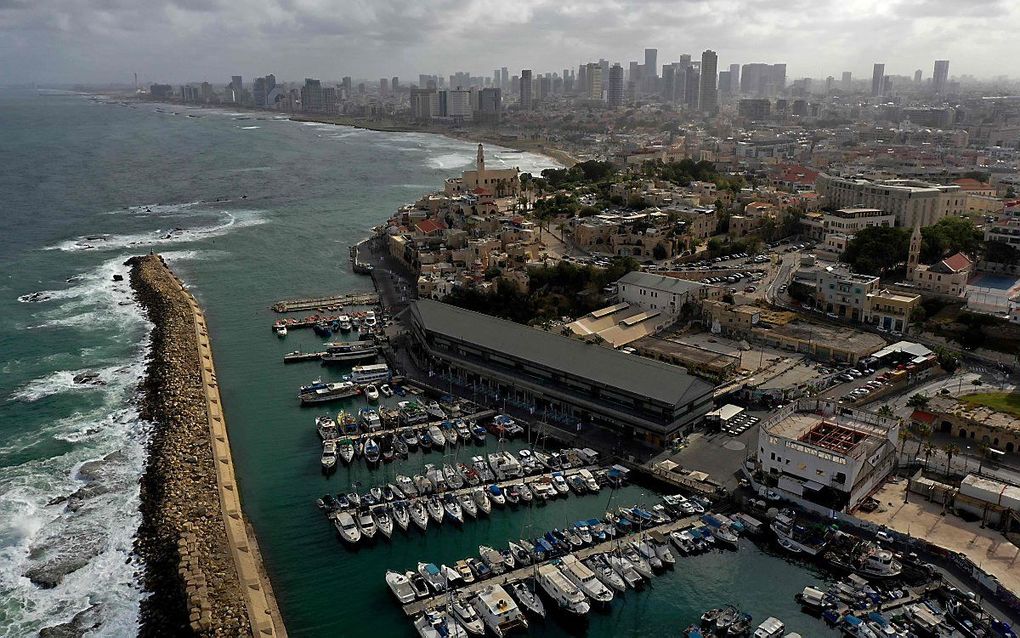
185 40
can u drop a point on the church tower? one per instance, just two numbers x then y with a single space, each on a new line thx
480 161
914 255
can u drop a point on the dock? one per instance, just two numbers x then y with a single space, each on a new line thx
418 606
294 357
312 303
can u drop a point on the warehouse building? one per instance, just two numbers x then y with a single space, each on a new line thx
577 383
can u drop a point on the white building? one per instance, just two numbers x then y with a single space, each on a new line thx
666 295
1006 227
912 202
822 452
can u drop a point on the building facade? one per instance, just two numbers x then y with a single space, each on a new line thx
912 202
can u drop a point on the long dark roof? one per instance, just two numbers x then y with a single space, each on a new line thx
595 363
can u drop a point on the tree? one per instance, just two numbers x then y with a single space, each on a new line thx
886 411
929 449
951 450
982 449
949 236
659 252
918 401
877 249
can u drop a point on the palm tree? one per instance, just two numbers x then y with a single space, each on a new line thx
918 400
929 449
885 410
905 435
982 449
950 449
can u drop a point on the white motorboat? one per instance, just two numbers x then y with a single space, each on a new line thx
436 623
345 323
466 615
419 514
371 392
406 485
647 552
660 544
369 321
623 567
521 556
589 481
281 331
498 611
327 428
492 558
347 527
345 448
468 505
383 521
435 508
638 562
400 515
495 494
438 438
481 500
453 478
366 523
772 627
433 576
418 584
400 585
464 571
525 493
585 579
563 592
876 562
386 390
605 573
328 457
560 484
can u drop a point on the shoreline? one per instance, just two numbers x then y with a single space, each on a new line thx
203 571
464 135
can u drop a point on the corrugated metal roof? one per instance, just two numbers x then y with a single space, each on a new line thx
593 363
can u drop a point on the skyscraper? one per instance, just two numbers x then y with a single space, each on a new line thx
917 76
504 78
940 78
691 82
651 69
495 79
526 89
877 79
593 73
734 79
615 91
724 84
709 101
394 83
848 80
667 88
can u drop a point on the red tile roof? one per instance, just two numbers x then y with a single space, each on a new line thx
957 262
923 417
429 226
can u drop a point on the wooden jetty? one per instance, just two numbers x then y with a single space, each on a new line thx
418 606
345 299
294 357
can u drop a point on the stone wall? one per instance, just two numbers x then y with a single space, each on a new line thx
203 573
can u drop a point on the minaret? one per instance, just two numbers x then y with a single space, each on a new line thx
915 251
480 161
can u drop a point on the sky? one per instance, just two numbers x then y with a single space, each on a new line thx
100 41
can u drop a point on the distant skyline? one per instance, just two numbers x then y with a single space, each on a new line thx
100 41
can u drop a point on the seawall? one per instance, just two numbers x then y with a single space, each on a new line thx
203 571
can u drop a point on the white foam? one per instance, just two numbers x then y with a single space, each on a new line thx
233 220
448 161
156 209
62 381
248 128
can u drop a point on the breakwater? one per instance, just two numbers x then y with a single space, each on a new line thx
203 571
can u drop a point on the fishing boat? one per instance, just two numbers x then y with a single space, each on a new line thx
466 615
319 392
876 562
371 392
433 576
281 330
468 505
492 558
528 599
366 523
495 494
400 585
435 508
452 507
326 428
328 457
344 352
560 590
383 521
437 623
797 538
481 500
401 515
347 527
605 573
344 322
498 611
370 420
419 515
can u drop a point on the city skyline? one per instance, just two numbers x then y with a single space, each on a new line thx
193 40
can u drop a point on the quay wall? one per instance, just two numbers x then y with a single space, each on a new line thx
203 572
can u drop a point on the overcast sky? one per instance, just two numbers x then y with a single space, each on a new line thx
54 41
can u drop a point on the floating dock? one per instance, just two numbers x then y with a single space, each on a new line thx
294 357
418 606
345 299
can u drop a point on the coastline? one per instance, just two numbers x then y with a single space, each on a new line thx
203 571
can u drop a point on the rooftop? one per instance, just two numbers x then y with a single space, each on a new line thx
662 283
593 363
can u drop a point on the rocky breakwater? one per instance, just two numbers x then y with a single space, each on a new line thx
202 567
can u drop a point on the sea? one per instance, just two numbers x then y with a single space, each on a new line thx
248 209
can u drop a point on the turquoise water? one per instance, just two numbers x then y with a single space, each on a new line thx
291 199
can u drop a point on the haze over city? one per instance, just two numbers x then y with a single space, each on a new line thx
104 41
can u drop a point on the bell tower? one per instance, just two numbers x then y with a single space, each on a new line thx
913 257
480 161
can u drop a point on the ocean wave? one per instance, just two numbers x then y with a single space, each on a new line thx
156 209
447 161
103 242
248 128
82 380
